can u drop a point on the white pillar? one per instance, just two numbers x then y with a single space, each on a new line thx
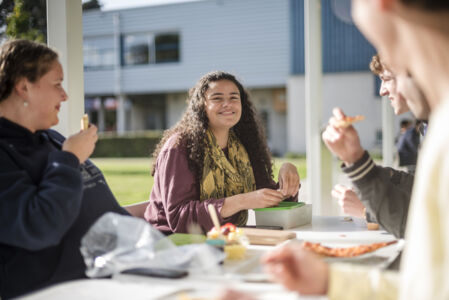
387 132
319 175
65 33
296 127
121 108
118 78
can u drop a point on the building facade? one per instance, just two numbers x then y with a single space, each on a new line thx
140 63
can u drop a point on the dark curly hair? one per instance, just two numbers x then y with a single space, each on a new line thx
191 129
23 59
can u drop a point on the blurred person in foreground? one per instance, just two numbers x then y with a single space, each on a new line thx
411 36
380 194
50 193
216 154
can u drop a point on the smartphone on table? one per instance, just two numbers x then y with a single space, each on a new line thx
157 272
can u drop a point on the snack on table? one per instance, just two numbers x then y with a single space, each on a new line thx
85 122
346 121
372 226
319 249
231 237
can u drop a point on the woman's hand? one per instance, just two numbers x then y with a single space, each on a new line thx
262 198
297 270
349 201
82 144
258 199
289 183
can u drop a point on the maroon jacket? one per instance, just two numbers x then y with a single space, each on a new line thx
175 198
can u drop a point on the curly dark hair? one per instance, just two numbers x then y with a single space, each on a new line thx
192 127
23 59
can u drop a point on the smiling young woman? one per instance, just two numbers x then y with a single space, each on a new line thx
50 193
217 154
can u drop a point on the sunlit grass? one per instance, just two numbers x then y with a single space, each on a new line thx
131 182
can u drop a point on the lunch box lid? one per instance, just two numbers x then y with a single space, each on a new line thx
284 205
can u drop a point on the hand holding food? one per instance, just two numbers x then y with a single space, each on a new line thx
347 121
82 144
297 270
342 140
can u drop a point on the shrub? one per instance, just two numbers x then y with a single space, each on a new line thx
294 155
132 144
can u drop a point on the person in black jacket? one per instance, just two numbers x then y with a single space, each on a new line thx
50 193
382 195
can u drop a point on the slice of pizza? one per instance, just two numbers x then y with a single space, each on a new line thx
347 121
319 249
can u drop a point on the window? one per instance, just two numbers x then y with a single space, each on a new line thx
167 48
147 48
137 49
98 52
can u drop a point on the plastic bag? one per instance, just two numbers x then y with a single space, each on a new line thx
116 242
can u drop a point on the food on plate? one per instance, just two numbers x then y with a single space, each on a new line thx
85 122
343 252
346 121
231 237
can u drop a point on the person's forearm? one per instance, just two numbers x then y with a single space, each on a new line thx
232 205
384 191
55 203
353 157
350 282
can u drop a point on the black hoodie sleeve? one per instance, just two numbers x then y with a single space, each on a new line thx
36 216
384 191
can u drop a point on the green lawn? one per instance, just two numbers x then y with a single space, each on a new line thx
131 182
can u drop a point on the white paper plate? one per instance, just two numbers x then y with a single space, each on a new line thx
381 257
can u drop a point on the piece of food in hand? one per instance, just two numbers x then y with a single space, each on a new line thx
346 121
372 226
85 122
231 238
319 249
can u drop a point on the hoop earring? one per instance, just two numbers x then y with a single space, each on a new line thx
25 103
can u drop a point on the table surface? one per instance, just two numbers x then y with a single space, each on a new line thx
243 275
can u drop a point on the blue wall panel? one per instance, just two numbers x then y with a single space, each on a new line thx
344 47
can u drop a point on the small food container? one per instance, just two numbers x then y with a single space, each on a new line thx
286 214
231 239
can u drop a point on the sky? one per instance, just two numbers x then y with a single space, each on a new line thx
119 4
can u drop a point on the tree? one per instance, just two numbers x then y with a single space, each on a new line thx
91 4
20 24
24 19
28 18
6 7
